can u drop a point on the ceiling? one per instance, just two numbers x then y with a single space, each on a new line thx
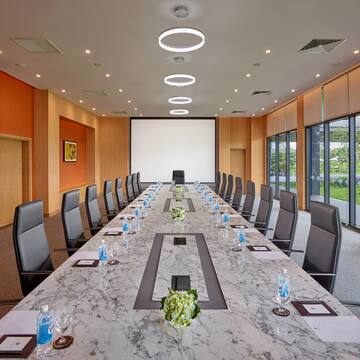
123 37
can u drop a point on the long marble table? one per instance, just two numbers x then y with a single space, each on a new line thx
106 325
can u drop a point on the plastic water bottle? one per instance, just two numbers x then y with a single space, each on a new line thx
103 252
44 323
125 226
226 218
283 288
242 238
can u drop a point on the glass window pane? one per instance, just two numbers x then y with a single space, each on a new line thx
339 166
292 161
317 163
357 161
272 159
282 162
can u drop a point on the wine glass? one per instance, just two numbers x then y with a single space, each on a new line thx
62 322
113 250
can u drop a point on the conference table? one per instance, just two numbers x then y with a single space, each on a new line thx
116 308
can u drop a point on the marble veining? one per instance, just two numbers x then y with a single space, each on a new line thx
107 327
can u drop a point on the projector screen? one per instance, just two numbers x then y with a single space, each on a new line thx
159 146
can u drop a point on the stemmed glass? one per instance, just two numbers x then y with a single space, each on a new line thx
282 295
113 250
62 322
240 239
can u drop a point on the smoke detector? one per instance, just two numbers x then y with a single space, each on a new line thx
179 59
181 11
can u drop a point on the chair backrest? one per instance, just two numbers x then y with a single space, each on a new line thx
237 194
179 176
217 182
223 186
229 188
286 222
108 197
324 243
92 205
138 181
134 185
71 217
119 193
129 188
249 200
265 207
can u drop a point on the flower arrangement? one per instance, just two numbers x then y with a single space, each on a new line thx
180 307
178 189
178 214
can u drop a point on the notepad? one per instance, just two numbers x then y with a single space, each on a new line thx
270 255
313 308
113 233
19 322
89 255
86 263
258 248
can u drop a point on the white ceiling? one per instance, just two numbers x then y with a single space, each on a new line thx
123 37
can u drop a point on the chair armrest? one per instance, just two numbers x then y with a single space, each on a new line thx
65 250
292 251
264 228
41 272
280 241
350 303
9 302
321 274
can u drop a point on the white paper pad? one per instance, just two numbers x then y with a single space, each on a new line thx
85 255
109 228
251 231
85 262
260 248
270 255
316 309
19 323
335 328
14 343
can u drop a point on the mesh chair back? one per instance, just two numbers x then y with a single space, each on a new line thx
108 197
217 182
92 206
223 186
237 194
249 200
265 207
119 193
129 188
229 189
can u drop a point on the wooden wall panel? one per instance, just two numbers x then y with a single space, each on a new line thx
270 125
336 98
354 91
312 107
224 145
239 133
291 116
114 148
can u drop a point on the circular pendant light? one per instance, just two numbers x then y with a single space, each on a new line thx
181 31
179 112
180 100
179 80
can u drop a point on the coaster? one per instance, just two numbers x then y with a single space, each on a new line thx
60 343
17 346
236 249
239 226
313 308
258 248
113 262
221 226
283 312
132 232
86 263
113 233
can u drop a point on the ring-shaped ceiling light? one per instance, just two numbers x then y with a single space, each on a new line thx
186 80
180 100
179 112
175 31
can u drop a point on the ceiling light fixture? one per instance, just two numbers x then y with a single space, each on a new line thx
93 109
63 91
262 109
268 51
121 90
293 90
220 108
135 108
186 80
317 75
355 52
179 112
236 90
107 75
87 51
103 115
180 100
215 115
275 101
81 101
181 31
129 101
227 101
248 75
38 75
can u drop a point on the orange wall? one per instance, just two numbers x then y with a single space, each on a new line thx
72 174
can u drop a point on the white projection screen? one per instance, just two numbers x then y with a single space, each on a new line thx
159 146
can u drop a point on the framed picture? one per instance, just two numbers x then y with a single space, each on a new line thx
70 151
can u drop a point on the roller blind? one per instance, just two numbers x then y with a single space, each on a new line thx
312 107
354 91
336 98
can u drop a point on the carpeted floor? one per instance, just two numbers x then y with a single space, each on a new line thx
346 288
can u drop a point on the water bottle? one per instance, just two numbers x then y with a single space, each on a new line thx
283 288
210 199
103 251
226 218
242 238
125 226
44 324
217 213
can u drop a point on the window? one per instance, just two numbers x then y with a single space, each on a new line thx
282 162
357 170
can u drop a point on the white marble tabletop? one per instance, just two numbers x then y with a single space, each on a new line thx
107 327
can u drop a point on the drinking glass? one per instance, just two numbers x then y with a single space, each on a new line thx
62 322
113 251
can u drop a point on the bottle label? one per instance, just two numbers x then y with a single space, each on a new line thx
44 335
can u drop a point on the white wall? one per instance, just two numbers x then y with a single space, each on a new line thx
159 146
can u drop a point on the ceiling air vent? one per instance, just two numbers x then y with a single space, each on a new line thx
95 93
37 45
238 112
262 92
120 112
321 46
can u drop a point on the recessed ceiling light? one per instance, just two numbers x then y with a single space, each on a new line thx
227 100
93 109
135 108
355 52
81 101
317 75
63 91
253 114
186 80
262 109
107 75
248 75
268 51
293 90
103 115
129 101
220 108
179 112
215 115
275 101
141 115
236 90
180 100
0 52
121 90
182 31
38 75
87 51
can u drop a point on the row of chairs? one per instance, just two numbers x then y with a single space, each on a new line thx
30 241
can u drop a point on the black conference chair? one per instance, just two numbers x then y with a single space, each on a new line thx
247 209
217 182
92 210
31 245
121 202
179 176
138 181
134 185
129 189
229 188
286 222
264 211
223 186
71 219
111 212
236 200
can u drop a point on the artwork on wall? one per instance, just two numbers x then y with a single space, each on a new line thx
70 151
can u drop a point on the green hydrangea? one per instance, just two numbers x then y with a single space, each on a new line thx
178 214
180 307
